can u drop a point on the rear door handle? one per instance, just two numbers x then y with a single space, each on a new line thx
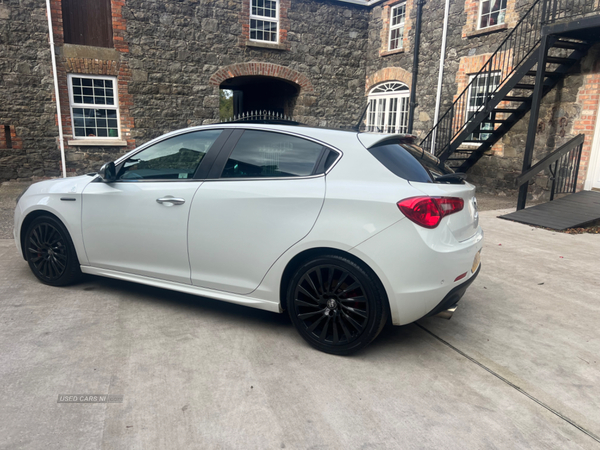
170 199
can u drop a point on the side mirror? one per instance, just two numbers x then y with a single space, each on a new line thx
107 172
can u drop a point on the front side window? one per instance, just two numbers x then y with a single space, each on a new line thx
397 18
491 12
94 106
262 154
479 89
388 108
264 20
175 158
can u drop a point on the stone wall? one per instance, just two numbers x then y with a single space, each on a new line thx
176 47
26 88
171 57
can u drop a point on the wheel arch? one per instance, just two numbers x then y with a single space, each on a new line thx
30 217
312 253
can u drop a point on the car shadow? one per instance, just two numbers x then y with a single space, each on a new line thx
392 339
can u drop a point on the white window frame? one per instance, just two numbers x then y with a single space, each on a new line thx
397 26
480 11
264 19
383 119
114 107
471 110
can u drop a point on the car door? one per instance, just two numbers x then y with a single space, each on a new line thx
138 223
264 196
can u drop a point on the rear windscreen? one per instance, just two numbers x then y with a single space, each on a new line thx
427 160
400 162
409 162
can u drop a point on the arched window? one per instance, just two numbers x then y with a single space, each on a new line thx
388 108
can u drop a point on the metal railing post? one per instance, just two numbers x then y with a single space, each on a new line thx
536 99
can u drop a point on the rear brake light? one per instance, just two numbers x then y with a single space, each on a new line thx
428 212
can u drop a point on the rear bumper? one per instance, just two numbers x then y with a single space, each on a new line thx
419 267
453 297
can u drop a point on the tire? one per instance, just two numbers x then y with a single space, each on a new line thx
50 252
336 305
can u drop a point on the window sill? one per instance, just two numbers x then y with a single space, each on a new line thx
487 30
257 44
392 52
97 143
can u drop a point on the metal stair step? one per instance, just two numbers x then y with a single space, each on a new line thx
530 87
516 98
549 74
570 45
558 60
504 110
498 121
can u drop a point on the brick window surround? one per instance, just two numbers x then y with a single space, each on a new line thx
263 69
388 74
385 29
108 62
472 11
284 26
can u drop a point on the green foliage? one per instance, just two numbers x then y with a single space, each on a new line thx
225 104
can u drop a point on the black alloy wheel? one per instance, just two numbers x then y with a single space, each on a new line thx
335 305
50 252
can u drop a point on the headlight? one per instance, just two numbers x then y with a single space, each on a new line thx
21 195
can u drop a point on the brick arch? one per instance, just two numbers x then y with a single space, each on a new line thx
388 74
262 69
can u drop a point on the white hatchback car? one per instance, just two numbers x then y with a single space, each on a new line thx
341 229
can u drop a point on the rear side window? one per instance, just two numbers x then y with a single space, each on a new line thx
401 163
263 154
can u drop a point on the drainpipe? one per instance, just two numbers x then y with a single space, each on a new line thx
438 97
415 69
56 92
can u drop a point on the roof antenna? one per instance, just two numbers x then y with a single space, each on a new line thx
362 115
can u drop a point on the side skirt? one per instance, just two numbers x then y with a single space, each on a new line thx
185 288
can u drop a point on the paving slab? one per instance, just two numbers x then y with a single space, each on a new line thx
197 373
535 314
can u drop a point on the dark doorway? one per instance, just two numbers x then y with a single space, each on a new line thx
256 93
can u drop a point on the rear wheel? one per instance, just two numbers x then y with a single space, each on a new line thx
50 252
335 305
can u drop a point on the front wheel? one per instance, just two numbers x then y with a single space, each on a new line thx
50 252
335 305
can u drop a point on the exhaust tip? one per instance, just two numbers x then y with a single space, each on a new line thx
447 314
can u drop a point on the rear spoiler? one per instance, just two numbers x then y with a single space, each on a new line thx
373 139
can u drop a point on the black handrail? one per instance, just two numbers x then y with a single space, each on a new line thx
564 174
518 45
514 49
569 9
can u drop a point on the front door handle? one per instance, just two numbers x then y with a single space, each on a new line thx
170 199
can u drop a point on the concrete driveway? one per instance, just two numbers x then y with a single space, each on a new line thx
518 366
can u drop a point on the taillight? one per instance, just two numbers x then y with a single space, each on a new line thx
428 212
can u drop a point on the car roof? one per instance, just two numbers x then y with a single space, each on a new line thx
330 136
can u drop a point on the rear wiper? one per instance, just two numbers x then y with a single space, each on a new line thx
451 178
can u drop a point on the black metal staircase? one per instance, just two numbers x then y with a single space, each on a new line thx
535 56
